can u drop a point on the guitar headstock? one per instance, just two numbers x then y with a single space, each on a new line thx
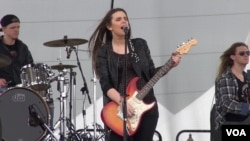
185 47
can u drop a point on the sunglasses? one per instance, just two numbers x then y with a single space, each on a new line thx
242 53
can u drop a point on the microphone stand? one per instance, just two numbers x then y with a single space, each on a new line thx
72 86
94 104
70 95
74 93
35 119
125 134
84 88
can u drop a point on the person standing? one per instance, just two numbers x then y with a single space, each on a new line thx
107 47
231 89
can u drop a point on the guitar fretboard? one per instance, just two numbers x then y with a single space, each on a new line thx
162 71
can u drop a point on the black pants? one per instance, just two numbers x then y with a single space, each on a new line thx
145 131
216 135
0 130
51 113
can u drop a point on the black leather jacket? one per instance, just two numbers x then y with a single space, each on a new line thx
12 72
107 66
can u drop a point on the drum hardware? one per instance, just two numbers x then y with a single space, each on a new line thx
98 132
61 66
65 42
82 50
85 132
63 121
84 89
62 88
4 60
72 92
48 95
94 104
69 44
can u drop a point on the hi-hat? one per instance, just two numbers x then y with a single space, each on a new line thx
4 60
61 66
65 42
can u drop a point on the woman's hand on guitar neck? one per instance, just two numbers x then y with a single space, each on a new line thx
176 58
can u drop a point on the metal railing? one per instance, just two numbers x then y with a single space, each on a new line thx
196 131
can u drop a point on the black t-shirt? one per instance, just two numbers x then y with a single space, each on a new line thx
243 97
243 90
13 50
130 71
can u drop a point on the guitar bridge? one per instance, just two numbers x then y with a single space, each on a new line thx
120 115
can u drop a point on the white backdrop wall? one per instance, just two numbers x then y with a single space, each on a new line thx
185 94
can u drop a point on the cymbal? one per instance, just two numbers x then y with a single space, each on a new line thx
65 42
61 66
4 60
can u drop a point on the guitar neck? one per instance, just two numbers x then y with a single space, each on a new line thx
162 71
183 49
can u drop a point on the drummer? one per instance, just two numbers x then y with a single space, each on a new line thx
17 55
15 49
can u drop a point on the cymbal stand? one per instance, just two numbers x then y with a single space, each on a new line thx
74 95
62 88
70 94
94 105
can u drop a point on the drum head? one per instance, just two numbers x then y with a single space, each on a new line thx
15 114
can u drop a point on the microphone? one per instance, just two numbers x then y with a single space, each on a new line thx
125 28
33 120
69 50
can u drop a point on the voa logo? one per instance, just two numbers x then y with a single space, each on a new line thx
236 132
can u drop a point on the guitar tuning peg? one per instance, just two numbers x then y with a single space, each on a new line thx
192 38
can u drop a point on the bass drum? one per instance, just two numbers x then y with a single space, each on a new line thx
16 106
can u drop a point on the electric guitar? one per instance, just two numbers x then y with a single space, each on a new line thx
112 114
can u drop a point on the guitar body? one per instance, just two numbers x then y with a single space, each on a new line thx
112 115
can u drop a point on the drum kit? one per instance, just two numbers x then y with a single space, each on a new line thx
28 101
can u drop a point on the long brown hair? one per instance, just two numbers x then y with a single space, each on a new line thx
226 61
102 35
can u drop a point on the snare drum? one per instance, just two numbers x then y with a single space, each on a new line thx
15 114
36 76
46 94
